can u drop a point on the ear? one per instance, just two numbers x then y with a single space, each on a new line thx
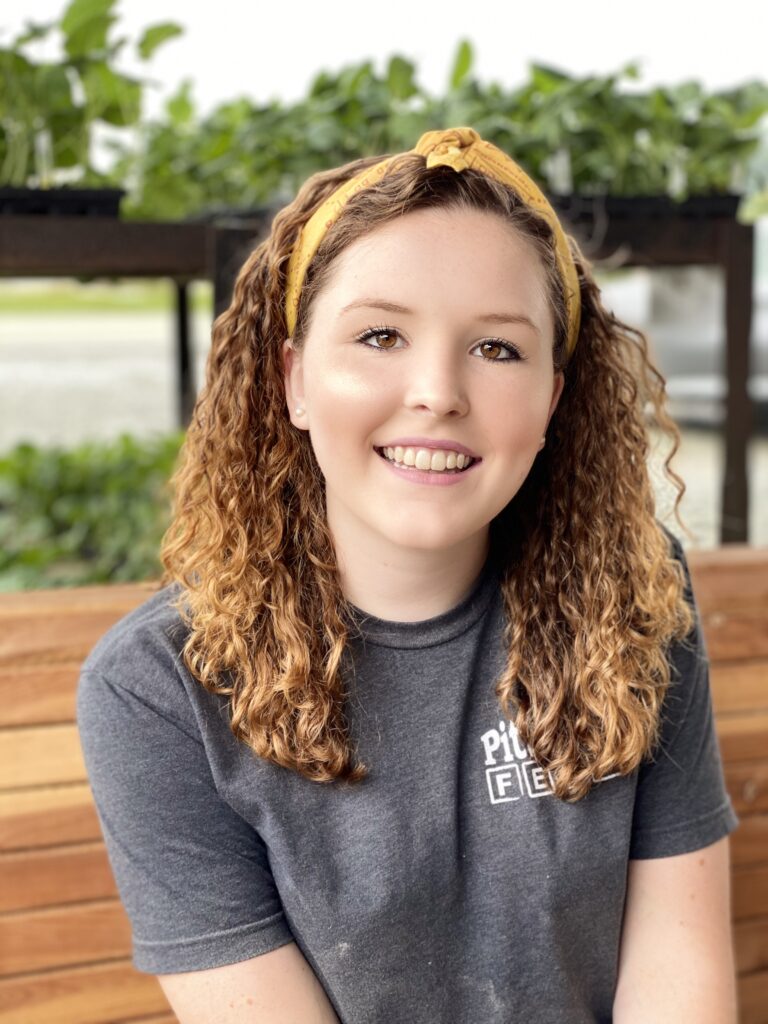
557 390
293 378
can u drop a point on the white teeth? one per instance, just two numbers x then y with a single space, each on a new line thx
427 459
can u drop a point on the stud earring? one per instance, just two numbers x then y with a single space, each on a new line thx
299 411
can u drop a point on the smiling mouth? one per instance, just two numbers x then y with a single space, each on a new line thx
454 465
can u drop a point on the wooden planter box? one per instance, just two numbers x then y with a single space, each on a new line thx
60 202
580 209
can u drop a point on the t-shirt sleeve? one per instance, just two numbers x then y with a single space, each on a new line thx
681 801
192 874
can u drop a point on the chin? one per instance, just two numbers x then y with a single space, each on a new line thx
429 540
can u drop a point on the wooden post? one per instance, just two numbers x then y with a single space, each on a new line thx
736 255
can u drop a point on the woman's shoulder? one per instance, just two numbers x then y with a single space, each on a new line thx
141 652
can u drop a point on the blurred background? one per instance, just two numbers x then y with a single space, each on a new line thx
215 115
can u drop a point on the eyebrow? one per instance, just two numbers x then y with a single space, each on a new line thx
393 307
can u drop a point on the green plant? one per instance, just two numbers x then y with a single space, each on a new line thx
246 155
589 135
93 514
48 109
671 140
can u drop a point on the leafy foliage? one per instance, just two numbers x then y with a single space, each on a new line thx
94 514
590 135
48 109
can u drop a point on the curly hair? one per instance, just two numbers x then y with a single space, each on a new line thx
593 594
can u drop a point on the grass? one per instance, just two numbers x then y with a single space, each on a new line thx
42 296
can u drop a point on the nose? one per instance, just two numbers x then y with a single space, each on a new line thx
435 383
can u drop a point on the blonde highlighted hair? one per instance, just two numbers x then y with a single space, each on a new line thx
592 590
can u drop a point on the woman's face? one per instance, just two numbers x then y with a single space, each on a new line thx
458 351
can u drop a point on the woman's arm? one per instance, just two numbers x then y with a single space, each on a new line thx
278 987
676 960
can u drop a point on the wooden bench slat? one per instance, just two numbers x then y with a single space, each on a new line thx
753 998
61 626
749 843
747 784
743 736
95 994
730 636
47 816
163 1018
732 576
65 637
38 694
36 940
739 686
78 601
750 940
66 874
749 892
40 756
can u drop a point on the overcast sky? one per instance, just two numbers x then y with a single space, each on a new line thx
273 50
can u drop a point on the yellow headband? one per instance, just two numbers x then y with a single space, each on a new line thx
459 148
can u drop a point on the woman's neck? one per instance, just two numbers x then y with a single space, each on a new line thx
410 585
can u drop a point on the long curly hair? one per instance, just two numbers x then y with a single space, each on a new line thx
592 591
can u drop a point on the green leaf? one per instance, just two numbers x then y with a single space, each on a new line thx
111 97
630 70
547 78
462 63
33 31
70 138
753 207
53 89
86 25
155 36
81 12
181 107
400 78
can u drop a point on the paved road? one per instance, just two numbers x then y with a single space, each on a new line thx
70 378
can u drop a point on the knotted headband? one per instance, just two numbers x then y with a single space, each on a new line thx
458 148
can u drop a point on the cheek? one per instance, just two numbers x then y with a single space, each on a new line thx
521 409
347 409
335 385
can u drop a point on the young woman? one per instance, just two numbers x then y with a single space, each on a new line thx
419 726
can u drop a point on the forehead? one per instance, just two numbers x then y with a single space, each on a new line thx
443 256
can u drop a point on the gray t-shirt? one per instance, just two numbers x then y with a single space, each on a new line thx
449 887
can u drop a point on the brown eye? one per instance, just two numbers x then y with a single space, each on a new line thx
379 333
500 347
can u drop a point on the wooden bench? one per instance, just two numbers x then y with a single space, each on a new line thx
64 937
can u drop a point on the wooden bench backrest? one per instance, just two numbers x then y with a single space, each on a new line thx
64 936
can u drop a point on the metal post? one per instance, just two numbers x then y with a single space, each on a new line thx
185 370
